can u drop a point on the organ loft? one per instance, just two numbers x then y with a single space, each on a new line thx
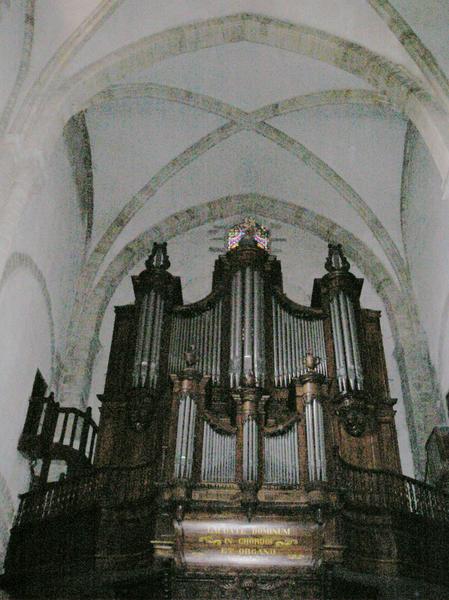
246 449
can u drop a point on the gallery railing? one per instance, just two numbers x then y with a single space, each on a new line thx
114 484
362 488
58 432
372 488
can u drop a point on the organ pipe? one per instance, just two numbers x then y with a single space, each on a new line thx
218 458
355 345
247 348
346 344
293 337
281 466
238 327
315 439
147 349
340 361
202 330
248 365
250 449
185 435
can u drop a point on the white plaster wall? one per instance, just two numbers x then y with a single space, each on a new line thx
11 39
426 215
362 144
127 150
25 345
248 75
55 21
36 295
134 19
51 232
429 20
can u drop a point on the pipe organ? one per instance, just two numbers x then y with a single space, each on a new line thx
231 432
283 382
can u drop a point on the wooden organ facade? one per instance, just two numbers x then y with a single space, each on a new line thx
246 449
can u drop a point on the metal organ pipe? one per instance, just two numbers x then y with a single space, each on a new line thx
282 374
139 341
293 337
247 348
315 439
147 352
185 437
148 332
248 323
213 343
355 344
338 345
218 458
347 350
349 353
208 345
238 327
217 346
281 465
156 342
203 330
296 353
250 454
258 329
275 343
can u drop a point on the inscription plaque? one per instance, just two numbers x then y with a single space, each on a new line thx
240 544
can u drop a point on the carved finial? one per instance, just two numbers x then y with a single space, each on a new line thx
190 356
311 362
158 258
248 233
336 260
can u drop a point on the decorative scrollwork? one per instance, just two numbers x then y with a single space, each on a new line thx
140 411
354 412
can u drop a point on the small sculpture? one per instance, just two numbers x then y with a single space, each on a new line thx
158 258
311 362
354 416
336 260
191 357
249 379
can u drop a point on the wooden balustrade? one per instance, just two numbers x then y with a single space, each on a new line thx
52 430
363 488
118 485
377 489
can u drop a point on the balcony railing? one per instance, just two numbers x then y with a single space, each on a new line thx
115 485
58 432
372 488
362 488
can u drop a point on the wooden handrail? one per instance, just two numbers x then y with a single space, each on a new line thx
128 484
364 488
391 491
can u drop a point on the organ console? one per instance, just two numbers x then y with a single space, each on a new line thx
246 447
